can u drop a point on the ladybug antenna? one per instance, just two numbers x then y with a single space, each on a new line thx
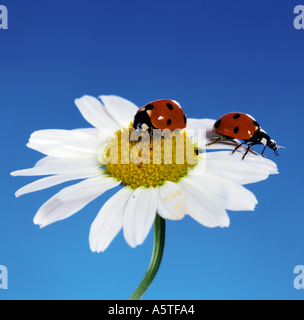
276 152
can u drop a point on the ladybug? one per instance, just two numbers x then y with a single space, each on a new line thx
237 125
160 114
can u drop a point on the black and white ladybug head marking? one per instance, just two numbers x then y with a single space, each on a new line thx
262 137
273 145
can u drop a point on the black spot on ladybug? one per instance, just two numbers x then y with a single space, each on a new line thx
255 123
236 129
169 122
169 106
185 119
217 124
149 107
236 116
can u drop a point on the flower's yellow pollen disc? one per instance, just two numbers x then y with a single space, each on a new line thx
137 164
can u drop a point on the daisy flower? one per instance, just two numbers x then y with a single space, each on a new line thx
204 188
149 188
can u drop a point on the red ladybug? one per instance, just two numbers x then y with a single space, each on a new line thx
160 114
237 125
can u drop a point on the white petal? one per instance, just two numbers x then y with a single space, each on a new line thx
197 124
53 136
50 165
252 169
64 143
71 199
198 129
109 220
121 109
203 206
139 215
54 180
230 194
95 113
48 160
90 133
172 203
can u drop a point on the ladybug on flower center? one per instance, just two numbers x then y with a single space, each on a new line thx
160 114
237 125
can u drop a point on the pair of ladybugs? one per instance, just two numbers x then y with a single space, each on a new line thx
168 114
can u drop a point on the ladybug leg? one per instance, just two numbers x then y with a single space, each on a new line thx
237 147
214 141
262 154
250 145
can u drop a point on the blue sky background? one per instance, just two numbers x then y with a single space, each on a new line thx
213 57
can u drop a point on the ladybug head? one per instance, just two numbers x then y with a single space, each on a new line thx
273 145
262 137
142 121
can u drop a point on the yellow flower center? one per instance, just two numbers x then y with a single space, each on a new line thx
149 160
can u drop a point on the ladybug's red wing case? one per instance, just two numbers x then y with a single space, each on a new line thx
236 125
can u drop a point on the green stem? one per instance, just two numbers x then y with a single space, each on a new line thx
157 254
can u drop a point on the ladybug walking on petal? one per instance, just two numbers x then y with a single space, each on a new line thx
160 114
237 125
